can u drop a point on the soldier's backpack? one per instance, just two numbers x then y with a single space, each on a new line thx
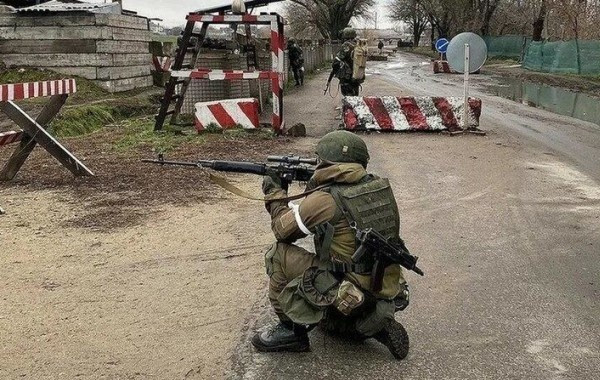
359 57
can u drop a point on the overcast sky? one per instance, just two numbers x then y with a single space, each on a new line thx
173 12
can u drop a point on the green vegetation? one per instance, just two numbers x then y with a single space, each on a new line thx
140 133
85 118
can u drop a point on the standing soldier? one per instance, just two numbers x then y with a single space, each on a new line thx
330 287
380 47
349 64
296 56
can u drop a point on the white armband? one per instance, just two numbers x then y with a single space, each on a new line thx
296 209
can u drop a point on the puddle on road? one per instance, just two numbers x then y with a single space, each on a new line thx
553 99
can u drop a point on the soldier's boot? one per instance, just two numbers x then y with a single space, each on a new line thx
395 338
282 337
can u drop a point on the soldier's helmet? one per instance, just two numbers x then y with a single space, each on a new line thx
349 34
291 41
343 146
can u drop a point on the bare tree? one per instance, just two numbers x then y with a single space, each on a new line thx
329 17
411 12
538 23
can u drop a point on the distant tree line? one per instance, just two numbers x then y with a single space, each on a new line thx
540 19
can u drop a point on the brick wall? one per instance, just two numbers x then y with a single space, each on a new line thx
110 49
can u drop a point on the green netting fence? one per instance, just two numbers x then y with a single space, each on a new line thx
566 57
506 46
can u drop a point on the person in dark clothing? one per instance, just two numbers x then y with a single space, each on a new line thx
380 47
296 56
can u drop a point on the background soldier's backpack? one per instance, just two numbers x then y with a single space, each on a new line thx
359 56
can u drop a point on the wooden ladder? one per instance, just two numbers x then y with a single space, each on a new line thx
185 43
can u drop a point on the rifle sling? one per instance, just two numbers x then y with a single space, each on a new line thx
222 182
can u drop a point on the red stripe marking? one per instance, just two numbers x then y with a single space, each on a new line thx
274 42
218 18
31 89
381 114
445 109
223 118
250 109
350 117
250 18
413 114
19 92
475 105
10 137
4 93
234 76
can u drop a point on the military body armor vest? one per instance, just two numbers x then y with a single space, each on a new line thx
369 203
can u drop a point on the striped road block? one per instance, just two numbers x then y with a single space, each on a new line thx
10 137
227 113
390 113
441 67
21 91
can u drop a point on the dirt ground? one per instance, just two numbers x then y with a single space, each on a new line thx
128 274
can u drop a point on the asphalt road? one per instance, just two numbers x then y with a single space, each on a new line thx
507 227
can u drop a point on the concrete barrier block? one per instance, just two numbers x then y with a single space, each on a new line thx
131 59
228 113
122 21
122 47
55 33
390 113
57 60
122 72
46 46
126 84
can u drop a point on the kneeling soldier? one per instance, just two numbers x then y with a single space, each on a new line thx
327 287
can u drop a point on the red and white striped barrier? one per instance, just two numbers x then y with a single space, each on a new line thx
21 91
224 74
390 113
10 137
227 114
227 19
277 56
441 67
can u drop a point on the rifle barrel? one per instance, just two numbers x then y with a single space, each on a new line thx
173 163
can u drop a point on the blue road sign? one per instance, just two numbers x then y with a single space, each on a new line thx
441 45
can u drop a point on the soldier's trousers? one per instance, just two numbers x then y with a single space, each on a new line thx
284 263
349 88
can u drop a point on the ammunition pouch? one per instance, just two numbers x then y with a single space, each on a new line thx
349 298
306 297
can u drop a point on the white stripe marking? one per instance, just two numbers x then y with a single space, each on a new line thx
392 105
233 109
430 111
296 210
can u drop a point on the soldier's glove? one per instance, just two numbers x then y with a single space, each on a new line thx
271 183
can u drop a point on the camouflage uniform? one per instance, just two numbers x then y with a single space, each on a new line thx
288 265
343 65
296 56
